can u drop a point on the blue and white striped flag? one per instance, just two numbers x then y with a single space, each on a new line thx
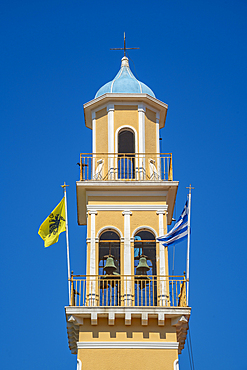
180 229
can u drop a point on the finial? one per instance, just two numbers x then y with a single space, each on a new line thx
190 188
124 48
124 62
64 185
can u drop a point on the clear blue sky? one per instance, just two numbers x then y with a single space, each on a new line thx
55 56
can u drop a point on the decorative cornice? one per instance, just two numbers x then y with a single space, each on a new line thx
128 344
131 207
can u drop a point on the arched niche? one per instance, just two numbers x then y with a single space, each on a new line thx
109 244
145 244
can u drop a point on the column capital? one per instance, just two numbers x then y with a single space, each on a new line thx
157 117
161 212
93 115
126 212
141 108
110 107
92 212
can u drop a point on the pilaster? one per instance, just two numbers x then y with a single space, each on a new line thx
110 112
127 258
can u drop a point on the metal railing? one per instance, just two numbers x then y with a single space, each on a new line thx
128 290
122 166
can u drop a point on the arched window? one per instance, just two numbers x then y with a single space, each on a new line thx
126 155
126 142
109 267
145 244
109 244
145 269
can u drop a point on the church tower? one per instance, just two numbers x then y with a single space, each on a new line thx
126 312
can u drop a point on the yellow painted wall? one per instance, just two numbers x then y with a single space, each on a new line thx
150 131
122 359
109 218
127 359
145 218
101 131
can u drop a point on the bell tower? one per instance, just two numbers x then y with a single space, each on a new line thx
126 312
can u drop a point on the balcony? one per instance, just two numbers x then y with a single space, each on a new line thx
128 291
126 167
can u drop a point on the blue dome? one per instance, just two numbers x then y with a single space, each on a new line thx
125 83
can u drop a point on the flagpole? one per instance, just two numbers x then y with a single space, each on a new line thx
67 234
188 245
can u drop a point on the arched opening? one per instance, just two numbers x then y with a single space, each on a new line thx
109 244
109 269
145 269
145 244
126 154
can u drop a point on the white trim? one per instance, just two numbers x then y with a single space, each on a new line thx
110 112
127 258
129 344
176 365
123 193
141 121
109 228
92 262
79 365
141 125
162 264
127 253
94 132
93 139
121 207
92 269
157 132
144 228
136 103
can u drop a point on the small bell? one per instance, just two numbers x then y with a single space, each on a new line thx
142 267
142 270
110 267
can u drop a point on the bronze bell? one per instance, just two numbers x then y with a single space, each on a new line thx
110 267
142 267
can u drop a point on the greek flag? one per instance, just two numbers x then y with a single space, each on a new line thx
180 229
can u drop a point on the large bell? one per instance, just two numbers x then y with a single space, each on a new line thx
142 267
110 267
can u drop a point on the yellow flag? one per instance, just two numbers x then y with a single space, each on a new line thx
53 225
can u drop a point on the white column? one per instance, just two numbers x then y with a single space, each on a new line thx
92 262
141 118
93 141
163 298
110 110
127 258
158 142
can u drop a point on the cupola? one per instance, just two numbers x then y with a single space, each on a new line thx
125 82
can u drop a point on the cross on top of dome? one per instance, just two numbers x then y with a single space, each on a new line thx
124 48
